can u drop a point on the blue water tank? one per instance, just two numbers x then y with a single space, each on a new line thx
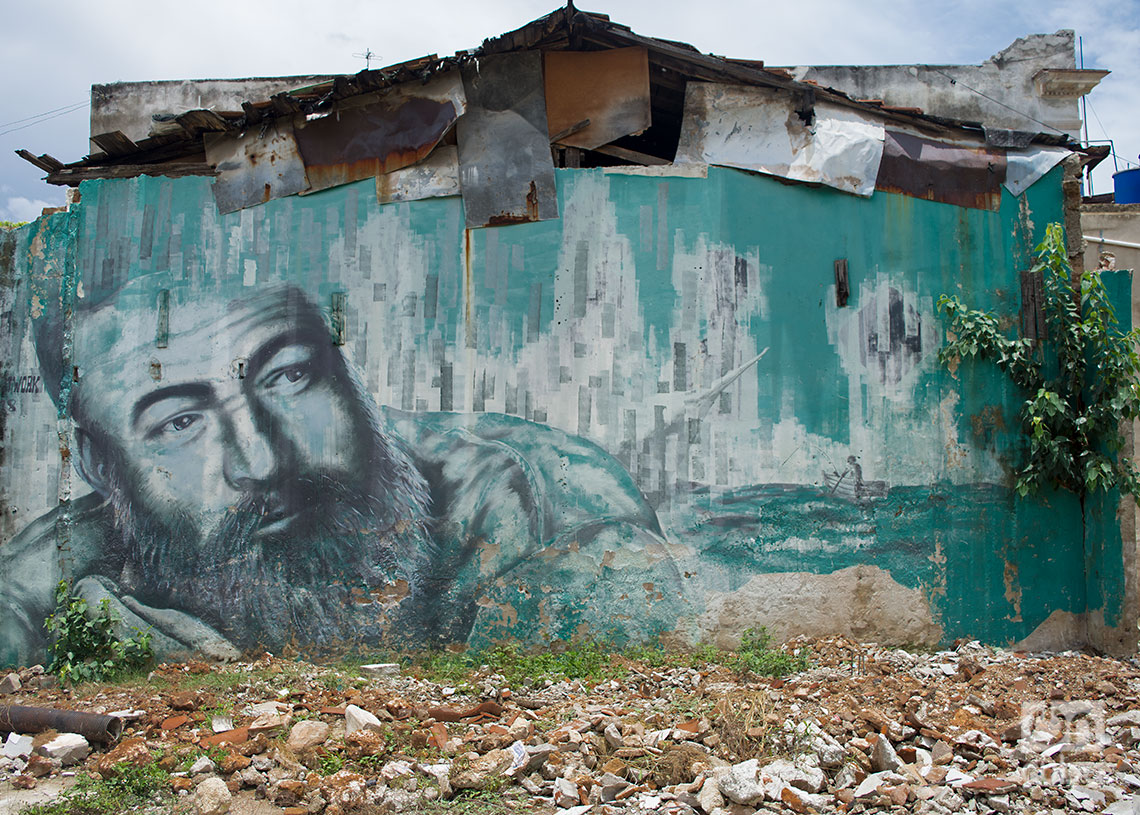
1126 185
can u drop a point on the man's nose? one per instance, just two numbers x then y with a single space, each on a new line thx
250 460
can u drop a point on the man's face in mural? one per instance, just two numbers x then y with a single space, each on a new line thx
247 449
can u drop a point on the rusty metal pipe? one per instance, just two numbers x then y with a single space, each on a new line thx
92 726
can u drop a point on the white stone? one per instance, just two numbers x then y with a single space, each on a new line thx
923 761
956 778
709 796
741 783
870 784
202 765
829 752
519 728
442 775
17 745
10 683
395 769
565 793
883 755
268 709
846 777
1125 806
251 777
1129 718
801 773
381 669
357 718
220 724
307 734
68 748
128 714
212 797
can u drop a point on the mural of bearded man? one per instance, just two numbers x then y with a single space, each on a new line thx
248 493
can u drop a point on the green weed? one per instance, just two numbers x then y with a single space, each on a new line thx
85 645
756 656
128 788
331 763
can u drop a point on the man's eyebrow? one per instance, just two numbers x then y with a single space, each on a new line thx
283 340
194 391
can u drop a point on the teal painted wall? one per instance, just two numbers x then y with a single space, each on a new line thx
536 431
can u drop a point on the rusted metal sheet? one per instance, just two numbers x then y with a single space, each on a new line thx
609 89
959 174
255 166
772 131
377 133
505 170
437 176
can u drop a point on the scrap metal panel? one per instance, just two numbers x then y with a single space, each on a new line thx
505 169
765 130
255 166
377 133
1024 168
437 176
609 89
960 174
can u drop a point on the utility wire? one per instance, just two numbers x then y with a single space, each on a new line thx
45 113
956 81
1105 132
44 118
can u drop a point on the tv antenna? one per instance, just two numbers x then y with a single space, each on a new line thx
367 56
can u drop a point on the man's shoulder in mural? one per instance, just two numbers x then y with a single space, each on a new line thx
545 527
68 539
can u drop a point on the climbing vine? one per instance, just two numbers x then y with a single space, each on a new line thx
1081 381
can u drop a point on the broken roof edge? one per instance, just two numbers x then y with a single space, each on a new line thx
566 28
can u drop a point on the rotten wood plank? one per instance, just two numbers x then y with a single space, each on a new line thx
49 164
71 176
199 121
114 144
630 155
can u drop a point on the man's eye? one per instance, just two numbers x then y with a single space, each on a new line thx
180 423
289 378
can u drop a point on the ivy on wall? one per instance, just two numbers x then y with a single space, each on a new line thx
1081 376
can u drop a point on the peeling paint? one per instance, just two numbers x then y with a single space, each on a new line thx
1012 590
850 602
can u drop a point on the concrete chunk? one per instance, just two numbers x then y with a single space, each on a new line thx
16 745
357 718
212 797
67 748
883 755
742 783
307 734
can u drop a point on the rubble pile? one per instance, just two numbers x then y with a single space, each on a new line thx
865 728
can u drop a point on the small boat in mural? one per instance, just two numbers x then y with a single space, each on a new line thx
850 485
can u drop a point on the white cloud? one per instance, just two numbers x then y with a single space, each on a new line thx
18 208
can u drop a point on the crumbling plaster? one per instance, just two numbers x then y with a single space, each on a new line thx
129 106
1000 92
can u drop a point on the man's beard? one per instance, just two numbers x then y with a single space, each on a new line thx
349 569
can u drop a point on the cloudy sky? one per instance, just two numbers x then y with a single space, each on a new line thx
51 55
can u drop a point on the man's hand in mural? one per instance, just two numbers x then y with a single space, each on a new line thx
248 492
